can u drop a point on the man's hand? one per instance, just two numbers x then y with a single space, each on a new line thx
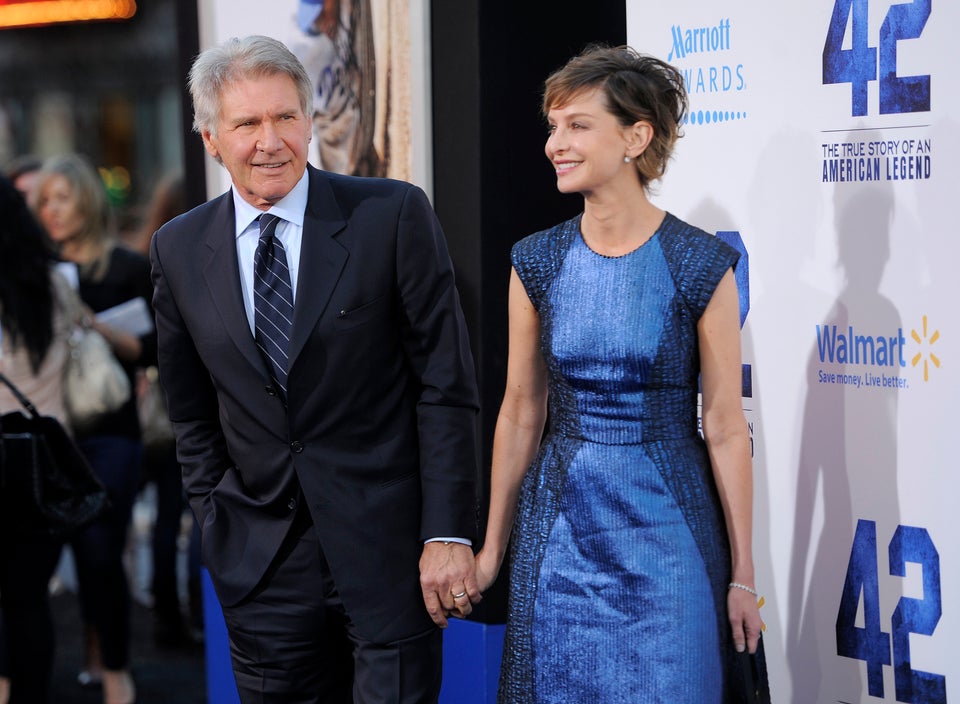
448 580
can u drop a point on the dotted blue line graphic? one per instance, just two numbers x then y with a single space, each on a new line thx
706 117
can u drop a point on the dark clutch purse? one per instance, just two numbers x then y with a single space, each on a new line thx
44 480
750 673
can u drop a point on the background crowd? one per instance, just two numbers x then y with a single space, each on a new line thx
63 263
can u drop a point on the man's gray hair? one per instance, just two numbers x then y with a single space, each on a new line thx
238 59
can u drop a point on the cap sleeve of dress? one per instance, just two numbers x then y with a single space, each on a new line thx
697 261
537 258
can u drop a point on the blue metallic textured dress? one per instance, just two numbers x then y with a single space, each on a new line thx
620 558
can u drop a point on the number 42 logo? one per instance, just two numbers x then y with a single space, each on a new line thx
858 64
920 616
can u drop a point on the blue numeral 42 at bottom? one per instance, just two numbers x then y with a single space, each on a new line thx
920 616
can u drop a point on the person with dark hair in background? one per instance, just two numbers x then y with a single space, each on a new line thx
38 310
168 200
162 468
632 575
321 385
71 205
22 172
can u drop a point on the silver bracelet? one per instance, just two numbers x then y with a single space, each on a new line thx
744 587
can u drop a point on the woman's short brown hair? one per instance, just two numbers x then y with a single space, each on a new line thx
635 87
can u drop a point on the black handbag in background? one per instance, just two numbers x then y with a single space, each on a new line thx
45 483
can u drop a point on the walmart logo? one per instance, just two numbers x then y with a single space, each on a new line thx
840 346
926 342
874 360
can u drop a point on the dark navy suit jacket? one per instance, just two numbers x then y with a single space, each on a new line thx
378 435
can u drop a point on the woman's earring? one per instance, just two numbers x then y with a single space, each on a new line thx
626 160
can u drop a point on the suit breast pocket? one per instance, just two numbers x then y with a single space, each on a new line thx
377 309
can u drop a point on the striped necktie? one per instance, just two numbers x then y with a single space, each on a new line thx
272 302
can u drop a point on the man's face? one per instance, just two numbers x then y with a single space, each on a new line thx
262 138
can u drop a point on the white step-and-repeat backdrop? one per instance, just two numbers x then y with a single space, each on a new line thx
823 141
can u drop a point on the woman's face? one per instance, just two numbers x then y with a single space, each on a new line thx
587 144
59 209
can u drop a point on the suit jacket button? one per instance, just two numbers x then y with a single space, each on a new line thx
296 446
292 504
270 390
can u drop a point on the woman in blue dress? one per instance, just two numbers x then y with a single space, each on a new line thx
632 576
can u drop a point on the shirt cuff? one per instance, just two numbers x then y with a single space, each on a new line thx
462 541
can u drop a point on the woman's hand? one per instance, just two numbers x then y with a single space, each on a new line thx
745 619
488 565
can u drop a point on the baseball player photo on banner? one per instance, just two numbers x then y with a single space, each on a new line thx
822 140
368 61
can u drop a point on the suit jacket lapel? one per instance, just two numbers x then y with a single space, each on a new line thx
222 277
322 259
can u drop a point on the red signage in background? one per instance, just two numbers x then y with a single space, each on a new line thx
33 13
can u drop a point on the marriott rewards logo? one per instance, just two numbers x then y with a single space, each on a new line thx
706 57
855 358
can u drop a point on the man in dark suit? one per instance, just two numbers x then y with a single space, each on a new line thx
331 466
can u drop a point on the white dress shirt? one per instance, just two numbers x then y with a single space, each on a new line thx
290 210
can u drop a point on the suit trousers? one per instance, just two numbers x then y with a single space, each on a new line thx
291 641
